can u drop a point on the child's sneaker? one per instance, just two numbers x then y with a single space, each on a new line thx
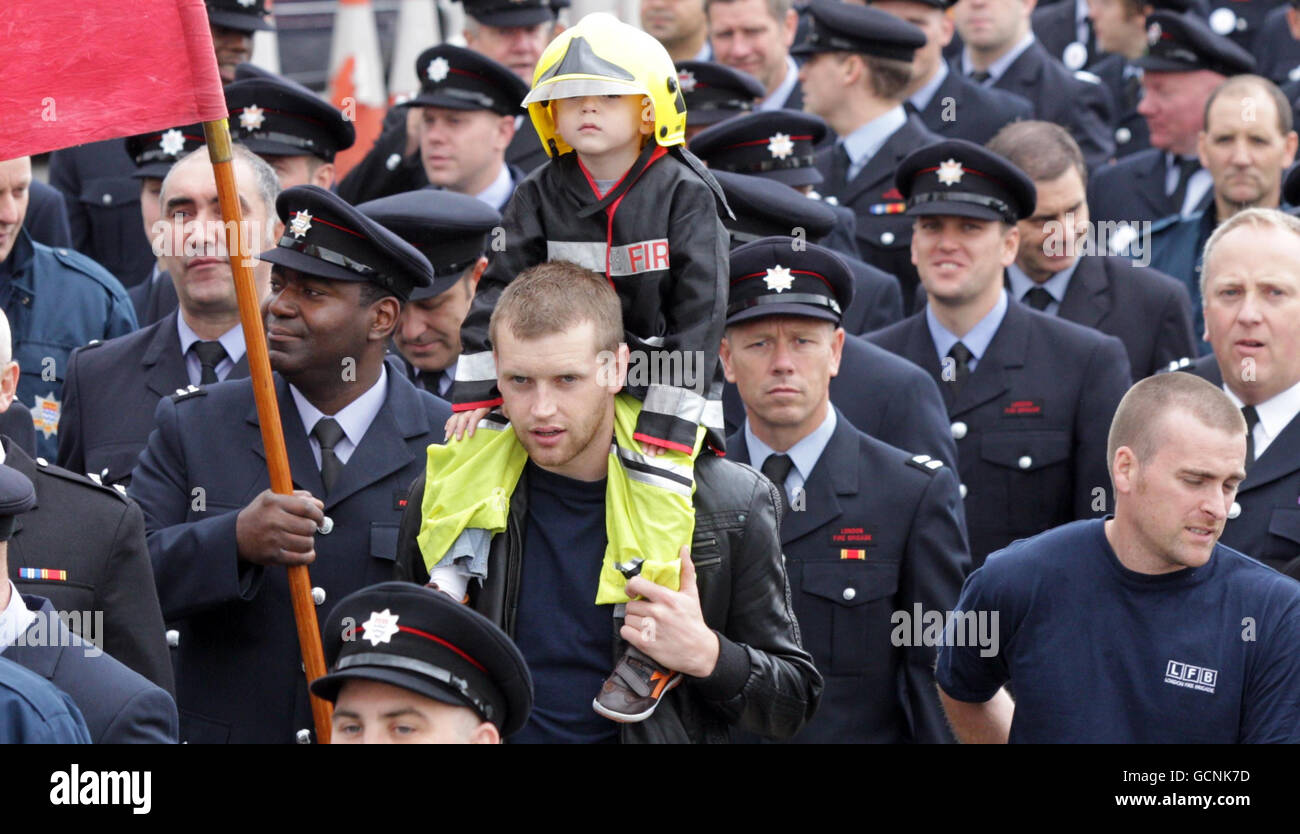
633 690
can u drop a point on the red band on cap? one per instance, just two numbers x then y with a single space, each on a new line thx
768 140
333 225
441 642
763 274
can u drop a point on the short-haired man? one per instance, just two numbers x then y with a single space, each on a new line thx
56 300
410 665
682 26
948 102
870 529
557 344
293 129
1185 62
1001 51
859 62
1029 395
1251 298
120 706
1056 273
1247 145
356 436
451 230
1140 628
754 37
113 387
905 408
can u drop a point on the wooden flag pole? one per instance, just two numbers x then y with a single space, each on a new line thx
268 409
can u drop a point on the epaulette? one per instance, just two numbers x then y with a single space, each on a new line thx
183 394
1088 77
117 490
1179 364
93 343
925 463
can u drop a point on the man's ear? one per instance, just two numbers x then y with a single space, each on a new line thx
837 350
724 353
8 385
324 176
477 273
384 315
485 733
1123 470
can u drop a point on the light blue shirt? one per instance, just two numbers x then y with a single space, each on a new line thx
777 99
232 340
499 192
921 98
1200 182
863 143
803 454
977 340
1055 286
354 418
999 67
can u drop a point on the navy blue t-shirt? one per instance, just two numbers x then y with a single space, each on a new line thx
1099 653
566 638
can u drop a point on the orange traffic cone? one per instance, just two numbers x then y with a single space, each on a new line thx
417 30
357 78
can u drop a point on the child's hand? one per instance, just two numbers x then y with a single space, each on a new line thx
464 423
650 450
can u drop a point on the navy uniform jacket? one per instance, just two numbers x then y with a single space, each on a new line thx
153 298
104 206
885 240
877 300
384 171
1176 246
882 395
1054 28
111 392
1277 53
120 706
1133 189
1075 101
869 496
1034 418
1144 308
35 711
1268 526
842 239
97 536
525 150
47 216
978 112
60 300
238 672
1132 134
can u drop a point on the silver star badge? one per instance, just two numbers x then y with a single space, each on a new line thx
686 80
247 3
381 627
438 69
1153 33
300 224
778 279
950 172
173 142
251 117
780 146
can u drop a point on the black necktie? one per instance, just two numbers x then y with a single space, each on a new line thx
328 433
210 355
429 380
1186 167
1038 298
1132 93
840 164
1252 420
980 76
776 469
961 355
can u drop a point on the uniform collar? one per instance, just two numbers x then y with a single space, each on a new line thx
804 454
232 340
979 337
863 143
781 94
1274 414
921 98
355 417
15 618
1055 286
999 67
498 193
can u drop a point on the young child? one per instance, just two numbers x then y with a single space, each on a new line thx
622 197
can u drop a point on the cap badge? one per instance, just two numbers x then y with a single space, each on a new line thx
780 146
252 117
778 279
686 80
1223 21
950 172
438 69
1153 33
301 224
381 627
173 142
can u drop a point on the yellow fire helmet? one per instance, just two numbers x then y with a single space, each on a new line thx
601 55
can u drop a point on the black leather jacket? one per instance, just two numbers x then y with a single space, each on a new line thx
764 683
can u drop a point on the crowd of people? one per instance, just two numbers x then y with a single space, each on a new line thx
910 371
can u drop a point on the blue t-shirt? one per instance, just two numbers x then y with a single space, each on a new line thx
1095 652
567 640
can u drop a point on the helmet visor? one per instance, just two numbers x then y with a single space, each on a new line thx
579 87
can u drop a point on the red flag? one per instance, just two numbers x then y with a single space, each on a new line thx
78 71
